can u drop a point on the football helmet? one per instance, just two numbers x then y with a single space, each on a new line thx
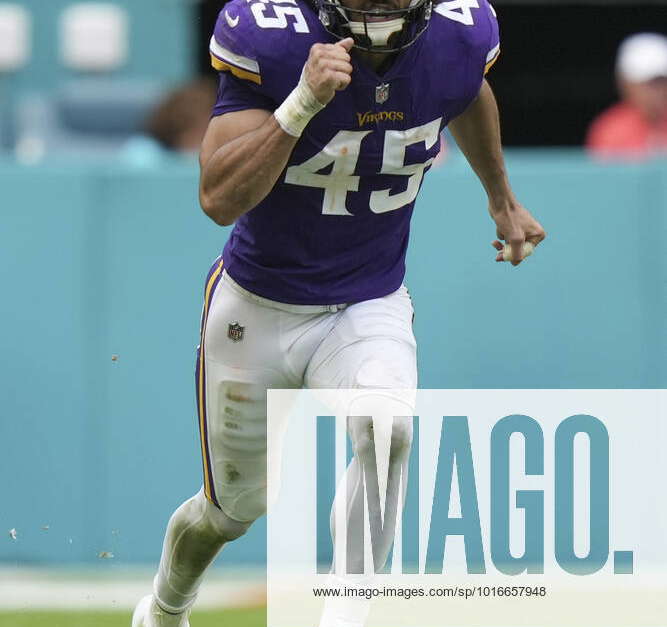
379 29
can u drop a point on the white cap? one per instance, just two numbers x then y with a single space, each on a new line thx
642 57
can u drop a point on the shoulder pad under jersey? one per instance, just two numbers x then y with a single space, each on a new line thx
476 27
265 42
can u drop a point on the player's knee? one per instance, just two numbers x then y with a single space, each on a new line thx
224 526
362 433
401 436
362 436
210 520
376 373
247 504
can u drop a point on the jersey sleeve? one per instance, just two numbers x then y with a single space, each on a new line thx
234 56
231 46
260 48
494 39
236 95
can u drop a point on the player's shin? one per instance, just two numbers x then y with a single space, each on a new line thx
195 534
377 473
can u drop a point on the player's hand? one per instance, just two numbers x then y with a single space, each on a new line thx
521 232
329 69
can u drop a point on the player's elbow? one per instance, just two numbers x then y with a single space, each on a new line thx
220 218
213 208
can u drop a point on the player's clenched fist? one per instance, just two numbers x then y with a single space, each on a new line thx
520 230
329 69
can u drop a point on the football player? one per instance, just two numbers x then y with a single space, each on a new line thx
328 116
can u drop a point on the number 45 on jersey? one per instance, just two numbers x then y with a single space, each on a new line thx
343 152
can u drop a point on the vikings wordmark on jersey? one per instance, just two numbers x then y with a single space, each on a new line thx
334 229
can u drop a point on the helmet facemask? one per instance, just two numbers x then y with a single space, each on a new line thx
376 30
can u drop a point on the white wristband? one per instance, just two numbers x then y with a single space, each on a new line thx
298 109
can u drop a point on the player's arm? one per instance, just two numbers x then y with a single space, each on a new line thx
244 152
477 132
242 155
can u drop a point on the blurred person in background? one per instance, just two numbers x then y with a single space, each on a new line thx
636 127
180 121
176 125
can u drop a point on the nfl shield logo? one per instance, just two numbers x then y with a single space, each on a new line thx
235 332
382 93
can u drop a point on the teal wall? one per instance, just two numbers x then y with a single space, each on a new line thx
111 260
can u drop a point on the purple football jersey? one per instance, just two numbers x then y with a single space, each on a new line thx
334 228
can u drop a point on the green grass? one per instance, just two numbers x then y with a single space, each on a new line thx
255 617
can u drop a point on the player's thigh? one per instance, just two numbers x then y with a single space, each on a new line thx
239 358
372 351
372 345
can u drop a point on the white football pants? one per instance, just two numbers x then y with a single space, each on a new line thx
248 345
